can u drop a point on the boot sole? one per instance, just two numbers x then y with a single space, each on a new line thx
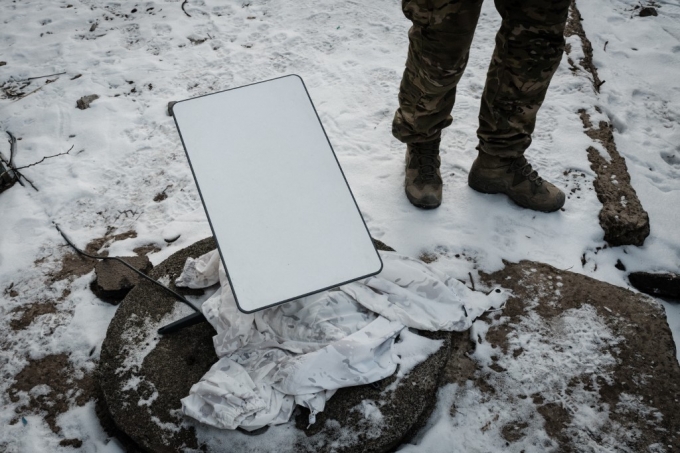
483 186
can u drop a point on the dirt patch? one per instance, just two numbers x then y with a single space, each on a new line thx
556 418
512 432
75 265
10 291
160 196
460 366
48 387
574 27
428 257
146 249
623 219
28 314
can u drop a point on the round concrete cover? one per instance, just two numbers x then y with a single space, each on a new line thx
143 376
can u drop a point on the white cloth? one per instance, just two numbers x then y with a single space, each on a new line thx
302 351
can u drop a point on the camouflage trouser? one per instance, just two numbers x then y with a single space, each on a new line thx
529 48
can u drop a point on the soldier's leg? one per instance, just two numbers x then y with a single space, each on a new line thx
529 49
439 44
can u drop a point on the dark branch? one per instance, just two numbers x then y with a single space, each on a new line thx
43 159
20 175
48 75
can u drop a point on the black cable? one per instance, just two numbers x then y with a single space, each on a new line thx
142 274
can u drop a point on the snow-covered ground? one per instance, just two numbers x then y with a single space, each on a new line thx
137 56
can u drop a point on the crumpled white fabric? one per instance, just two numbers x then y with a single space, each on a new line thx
301 352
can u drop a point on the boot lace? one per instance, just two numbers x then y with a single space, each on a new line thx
522 167
427 167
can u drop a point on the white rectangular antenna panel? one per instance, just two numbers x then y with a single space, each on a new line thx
285 220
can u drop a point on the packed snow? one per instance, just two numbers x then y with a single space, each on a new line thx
126 169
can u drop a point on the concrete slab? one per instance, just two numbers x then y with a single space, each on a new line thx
143 376
591 364
114 281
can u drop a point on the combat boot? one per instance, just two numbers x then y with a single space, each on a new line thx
514 177
423 182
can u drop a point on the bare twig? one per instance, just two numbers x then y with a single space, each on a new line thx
472 281
185 11
20 175
44 158
605 46
48 75
28 94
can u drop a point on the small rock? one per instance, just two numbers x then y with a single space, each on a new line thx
619 265
648 11
84 102
114 280
75 443
664 285
3 63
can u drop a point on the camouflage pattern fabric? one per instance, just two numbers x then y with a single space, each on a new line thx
529 47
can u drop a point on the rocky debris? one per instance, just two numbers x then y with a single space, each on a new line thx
648 11
146 417
623 219
628 375
574 27
114 281
656 284
84 102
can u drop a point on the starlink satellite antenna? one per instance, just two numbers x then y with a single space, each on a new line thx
281 211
